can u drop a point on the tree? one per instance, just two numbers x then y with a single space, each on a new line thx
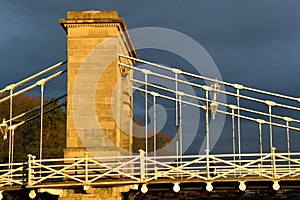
27 136
162 139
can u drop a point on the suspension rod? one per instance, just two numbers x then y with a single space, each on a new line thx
34 76
213 80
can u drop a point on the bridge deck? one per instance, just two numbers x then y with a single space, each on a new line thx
140 169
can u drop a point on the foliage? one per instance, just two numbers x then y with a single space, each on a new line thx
162 139
27 136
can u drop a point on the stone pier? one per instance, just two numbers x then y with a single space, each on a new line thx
98 113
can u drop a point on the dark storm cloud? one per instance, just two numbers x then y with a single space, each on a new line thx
252 42
256 43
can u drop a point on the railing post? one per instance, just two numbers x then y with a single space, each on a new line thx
86 167
207 164
142 164
30 169
288 120
270 104
274 162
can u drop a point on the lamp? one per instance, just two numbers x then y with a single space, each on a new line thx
176 187
32 194
144 188
209 186
4 129
214 107
276 185
242 186
216 87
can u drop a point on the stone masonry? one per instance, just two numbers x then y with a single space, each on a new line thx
87 35
98 113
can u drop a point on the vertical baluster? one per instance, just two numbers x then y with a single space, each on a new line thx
270 104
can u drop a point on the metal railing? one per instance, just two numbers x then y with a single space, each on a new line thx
40 79
146 168
139 169
13 174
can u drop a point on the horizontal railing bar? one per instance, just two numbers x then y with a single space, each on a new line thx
252 166
34 76
31 86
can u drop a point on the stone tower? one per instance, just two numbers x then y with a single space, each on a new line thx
98 112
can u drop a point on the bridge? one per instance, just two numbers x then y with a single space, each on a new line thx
268 166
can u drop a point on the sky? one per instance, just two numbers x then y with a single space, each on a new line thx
253 42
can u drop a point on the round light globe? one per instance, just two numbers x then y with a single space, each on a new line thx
32 194
276 185
242 186
176 187
209 186
144 188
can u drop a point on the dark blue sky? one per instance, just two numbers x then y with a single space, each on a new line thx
253 42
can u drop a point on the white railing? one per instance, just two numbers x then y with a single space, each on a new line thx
139 169
38 80
12 174
145 168
83 171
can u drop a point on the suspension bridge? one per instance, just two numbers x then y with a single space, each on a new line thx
252 117
148 168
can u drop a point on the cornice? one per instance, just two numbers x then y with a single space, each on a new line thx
91 25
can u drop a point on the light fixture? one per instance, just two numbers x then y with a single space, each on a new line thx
242 186
209 186
4 129
144 188
276 185
176 187
214 107
32 194
216 87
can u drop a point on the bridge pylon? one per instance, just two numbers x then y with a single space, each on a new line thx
93 72
94 39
